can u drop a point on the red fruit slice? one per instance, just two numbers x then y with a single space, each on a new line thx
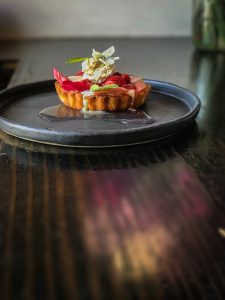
78 86
135 79
139 85
69 85
59 77
79 73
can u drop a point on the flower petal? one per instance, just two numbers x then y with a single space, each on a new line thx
109 52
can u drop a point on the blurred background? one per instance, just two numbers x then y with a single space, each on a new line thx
25 19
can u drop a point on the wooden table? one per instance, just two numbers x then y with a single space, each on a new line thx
143 222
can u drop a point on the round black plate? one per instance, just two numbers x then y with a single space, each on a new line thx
171 107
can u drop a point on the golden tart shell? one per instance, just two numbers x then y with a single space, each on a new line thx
102 101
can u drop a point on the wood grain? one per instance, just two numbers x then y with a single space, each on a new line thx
143 222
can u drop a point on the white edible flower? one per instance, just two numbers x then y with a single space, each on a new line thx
109 52
100 66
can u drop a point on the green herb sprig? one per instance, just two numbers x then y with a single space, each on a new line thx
75 60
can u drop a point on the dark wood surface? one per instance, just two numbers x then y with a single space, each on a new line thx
143 222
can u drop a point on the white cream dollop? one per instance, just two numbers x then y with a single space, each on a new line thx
85 100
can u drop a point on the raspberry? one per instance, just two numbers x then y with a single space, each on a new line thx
115 79
118 78
126 77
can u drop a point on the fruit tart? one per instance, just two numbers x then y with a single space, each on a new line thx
98 87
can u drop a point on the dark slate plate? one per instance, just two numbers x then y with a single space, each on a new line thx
171 107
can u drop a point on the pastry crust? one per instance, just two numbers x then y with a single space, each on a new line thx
102 101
